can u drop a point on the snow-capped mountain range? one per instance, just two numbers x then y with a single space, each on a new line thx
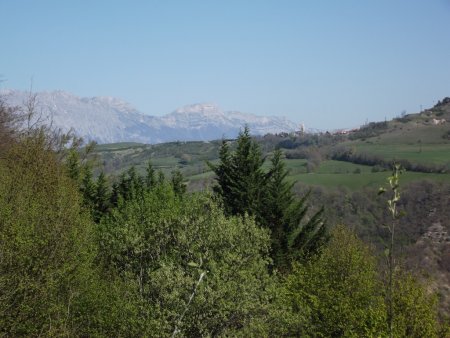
108 119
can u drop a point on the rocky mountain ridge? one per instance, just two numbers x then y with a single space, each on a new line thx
110 120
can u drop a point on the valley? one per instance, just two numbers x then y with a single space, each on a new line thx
347 187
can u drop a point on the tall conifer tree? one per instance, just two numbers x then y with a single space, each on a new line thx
102 197
88 187
150 178
246 188
240 176
73 164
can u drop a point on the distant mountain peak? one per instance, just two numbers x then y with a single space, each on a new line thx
113 102
205 108
107 119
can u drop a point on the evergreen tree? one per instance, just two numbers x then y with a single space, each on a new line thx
88 188
223 173
305 237
293 236
102 197
279 199
134 184
117 191
150 178
130 185
73 165
240 177
245 188
177 183
161 177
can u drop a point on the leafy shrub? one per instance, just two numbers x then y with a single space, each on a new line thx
46 247
369 130
162 244
339 290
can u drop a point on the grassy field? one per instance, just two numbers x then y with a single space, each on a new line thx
333 174
412 133
354 176
340 167
419 153
413 141
117 146
360 181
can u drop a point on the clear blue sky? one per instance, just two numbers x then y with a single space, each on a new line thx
328 64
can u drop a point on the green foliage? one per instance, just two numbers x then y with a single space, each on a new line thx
161 177
293 236
371 129
177 183
130 185
410 311
133 185
394 183
73 164
278 199
339 290
88 189
155 264
150 177
162 244
101 198
246 189
414 309
45 245
240 177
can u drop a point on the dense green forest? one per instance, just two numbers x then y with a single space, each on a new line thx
86 254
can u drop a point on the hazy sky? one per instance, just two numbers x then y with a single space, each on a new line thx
328 64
